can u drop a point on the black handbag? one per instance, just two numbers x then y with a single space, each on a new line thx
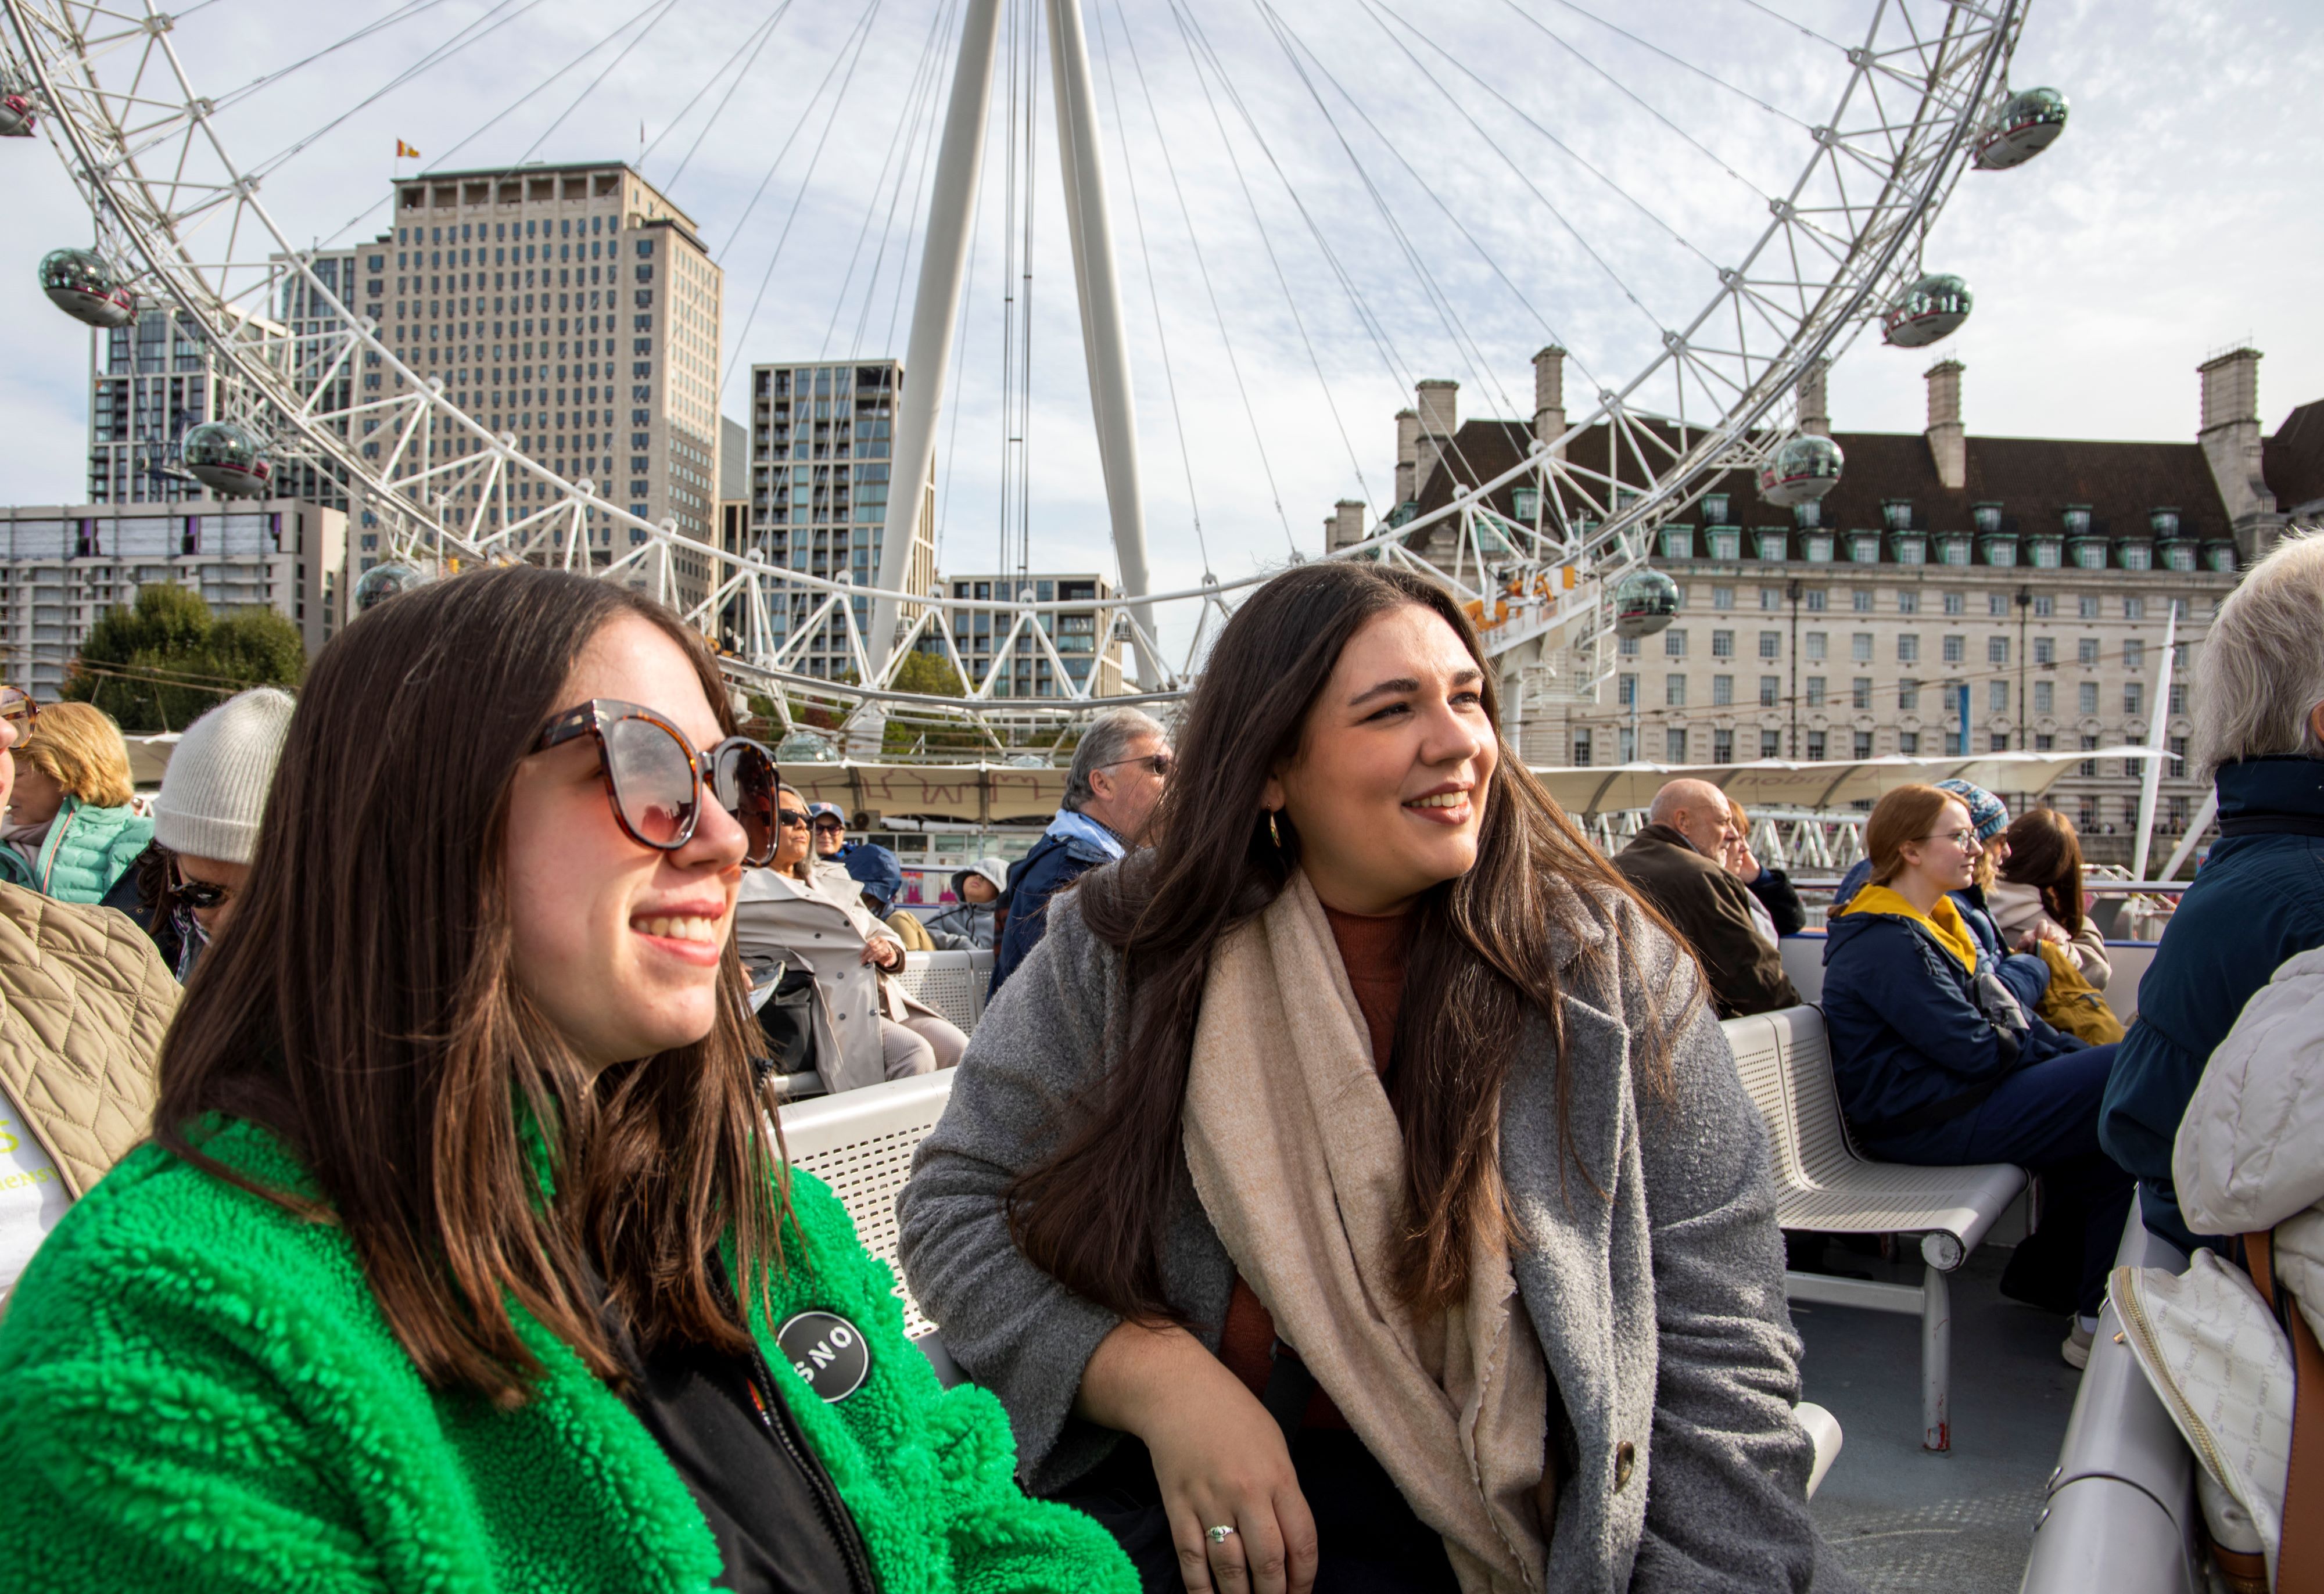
787 1020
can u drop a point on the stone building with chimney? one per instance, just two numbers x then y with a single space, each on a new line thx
2033 576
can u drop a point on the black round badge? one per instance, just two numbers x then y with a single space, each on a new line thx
828 1351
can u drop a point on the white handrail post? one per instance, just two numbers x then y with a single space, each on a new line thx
2158 737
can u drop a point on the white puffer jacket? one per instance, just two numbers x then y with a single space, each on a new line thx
2250 1152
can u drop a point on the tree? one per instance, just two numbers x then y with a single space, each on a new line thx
928 675
160 664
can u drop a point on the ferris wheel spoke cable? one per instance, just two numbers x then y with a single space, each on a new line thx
1794 25
1677 60
1210 290
1634 97
1202 53
403 12
1293 48
914 98
752 42
660 17
1274 260
905 274
855 42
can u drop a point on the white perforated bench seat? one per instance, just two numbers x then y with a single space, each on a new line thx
1825 1186
951 982
860 1144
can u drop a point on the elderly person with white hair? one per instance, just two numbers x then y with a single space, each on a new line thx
2259 901
1120 767
1678 862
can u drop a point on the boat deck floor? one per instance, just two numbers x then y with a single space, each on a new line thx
1908 1520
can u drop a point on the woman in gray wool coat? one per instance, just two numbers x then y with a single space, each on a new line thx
1354 1190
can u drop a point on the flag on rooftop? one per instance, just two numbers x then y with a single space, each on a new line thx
405 152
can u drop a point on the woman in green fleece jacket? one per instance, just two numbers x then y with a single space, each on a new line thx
462 1258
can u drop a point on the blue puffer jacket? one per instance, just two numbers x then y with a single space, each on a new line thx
1910 1045
2258 901
86 855
2026 976
1072 846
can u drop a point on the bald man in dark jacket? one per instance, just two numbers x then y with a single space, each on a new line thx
1676 863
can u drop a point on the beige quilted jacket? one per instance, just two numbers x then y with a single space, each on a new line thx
84 1002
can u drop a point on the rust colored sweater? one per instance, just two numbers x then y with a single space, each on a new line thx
1373 951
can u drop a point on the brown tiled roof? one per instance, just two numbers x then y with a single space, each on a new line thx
2033 479
2293 459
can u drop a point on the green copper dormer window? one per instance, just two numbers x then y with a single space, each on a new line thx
1771 542
2001 549
1952 548
1678 542
2163 521
2133 554
1816 546
1897 513
1714 508
2078 520
1864 548
1986 517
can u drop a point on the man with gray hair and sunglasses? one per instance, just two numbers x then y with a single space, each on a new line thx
1117 777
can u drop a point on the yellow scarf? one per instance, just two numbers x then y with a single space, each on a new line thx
1945 923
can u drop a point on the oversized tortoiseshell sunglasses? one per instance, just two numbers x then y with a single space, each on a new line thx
654 776
18 707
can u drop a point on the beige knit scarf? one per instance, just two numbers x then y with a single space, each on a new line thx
1298 1161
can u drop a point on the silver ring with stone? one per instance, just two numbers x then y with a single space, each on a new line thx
1220 1534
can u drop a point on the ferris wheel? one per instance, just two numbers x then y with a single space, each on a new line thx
1830 238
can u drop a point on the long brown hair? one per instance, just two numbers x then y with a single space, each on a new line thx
361 1006
1095 1214
1903 816
2045 851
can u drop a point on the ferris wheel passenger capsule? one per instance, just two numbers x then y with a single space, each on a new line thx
1645 602
1804 469
383 581
2028 124
226 459
83 283
1931 309
17 117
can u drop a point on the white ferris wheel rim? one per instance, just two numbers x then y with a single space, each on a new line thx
110 132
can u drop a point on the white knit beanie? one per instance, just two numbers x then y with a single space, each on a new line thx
214 791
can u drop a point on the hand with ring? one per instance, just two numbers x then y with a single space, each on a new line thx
1238 1519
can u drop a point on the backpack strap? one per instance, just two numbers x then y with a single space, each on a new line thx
2300 1558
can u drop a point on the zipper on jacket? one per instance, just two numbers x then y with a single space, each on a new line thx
785 1432
55 844
2134 1318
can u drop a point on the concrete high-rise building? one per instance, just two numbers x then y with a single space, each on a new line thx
1083 639
149 383
572 306
821 437
62 566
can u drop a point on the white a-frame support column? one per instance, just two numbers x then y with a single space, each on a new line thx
1105 343
935 312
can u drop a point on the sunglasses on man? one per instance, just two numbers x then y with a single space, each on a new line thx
1161 763
654 778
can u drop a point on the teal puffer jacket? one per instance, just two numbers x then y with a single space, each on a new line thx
87 852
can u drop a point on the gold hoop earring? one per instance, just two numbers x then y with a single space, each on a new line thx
1274 834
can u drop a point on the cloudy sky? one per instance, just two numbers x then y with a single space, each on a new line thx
1314 206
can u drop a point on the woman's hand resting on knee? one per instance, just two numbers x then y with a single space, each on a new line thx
1220 1460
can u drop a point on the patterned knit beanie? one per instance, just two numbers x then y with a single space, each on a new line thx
213 792
1985 811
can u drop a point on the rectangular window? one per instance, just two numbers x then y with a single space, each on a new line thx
1722 747
1908 647
1908 742
1908 602
2178 697
1675 643
1956 649
2044 606
1815 691
1860 693
1675 691
1626 744
1860 647
1771 744
1998 742
2045 695
1996 696
1722 691
1863 744
1674 744
1815 746
2087 815
1996 604
1956 603
1908 694
1626 690
1771 644
1722 597
2085 651
1996 649
1816 640
1861 600
2177 757
2087 697
1771 597
1819 600
1771 691
2134 697
2086 607
1581 750
2133 655
2134 608
2045 649
1722 644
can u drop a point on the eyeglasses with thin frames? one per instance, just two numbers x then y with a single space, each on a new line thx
1161 763
1966 839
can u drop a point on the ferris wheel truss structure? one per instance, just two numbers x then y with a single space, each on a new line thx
189 226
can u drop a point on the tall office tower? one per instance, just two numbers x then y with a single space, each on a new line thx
316 344
1082 640
820 439
149 383
575 307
